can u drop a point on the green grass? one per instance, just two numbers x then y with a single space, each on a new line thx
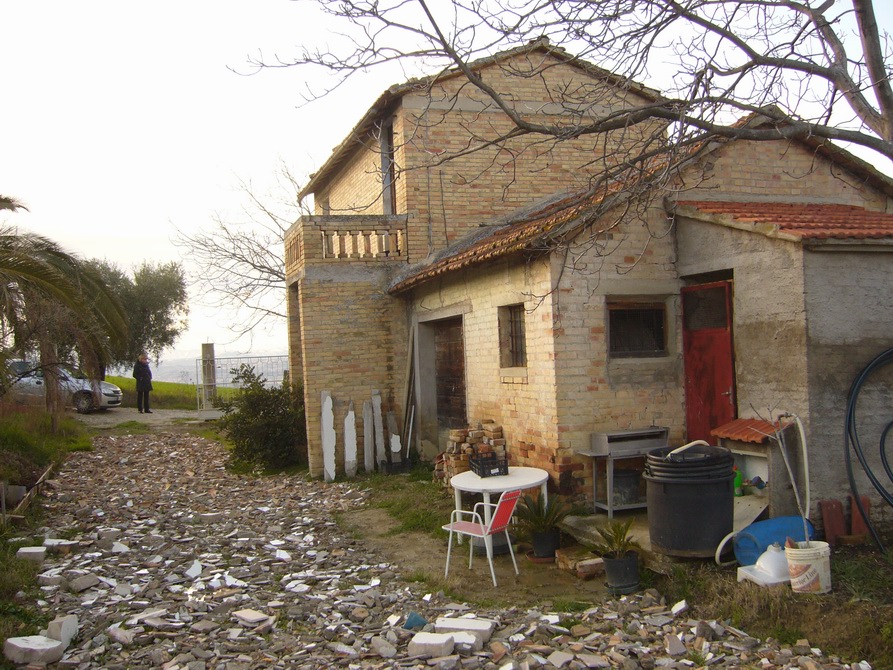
165 395
407 498
132 428
28 446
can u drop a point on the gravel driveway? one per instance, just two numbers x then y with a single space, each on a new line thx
168 560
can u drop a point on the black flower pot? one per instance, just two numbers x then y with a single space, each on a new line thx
546 542
622 573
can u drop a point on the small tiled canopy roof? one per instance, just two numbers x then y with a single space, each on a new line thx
755 431
797 221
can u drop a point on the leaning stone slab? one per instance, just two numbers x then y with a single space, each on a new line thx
83 582
58 546
50 579
63 628
431 644
121 636
594 660
383 648
482 628
560 658
674 646
204 626
33 649
466 641
250 617
36 554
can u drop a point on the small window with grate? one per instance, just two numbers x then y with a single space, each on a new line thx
637 329
512 345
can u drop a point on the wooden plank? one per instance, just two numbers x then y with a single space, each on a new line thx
350 442
328 437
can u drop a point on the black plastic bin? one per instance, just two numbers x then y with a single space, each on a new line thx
691 499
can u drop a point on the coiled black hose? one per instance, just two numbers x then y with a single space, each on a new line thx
851 442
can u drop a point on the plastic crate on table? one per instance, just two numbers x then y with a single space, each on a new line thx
489 465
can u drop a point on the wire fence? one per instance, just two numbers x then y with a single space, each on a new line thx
215 376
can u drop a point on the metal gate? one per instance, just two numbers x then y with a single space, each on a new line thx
215 376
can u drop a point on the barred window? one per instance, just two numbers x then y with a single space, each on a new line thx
637 329
512 345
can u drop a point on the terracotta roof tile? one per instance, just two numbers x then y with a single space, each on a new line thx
755 431
803 221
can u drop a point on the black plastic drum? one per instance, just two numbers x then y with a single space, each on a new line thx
691 498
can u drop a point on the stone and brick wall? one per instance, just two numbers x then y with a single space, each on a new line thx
780 172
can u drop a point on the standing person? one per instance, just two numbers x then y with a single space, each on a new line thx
143 376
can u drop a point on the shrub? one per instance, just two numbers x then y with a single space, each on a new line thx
264 424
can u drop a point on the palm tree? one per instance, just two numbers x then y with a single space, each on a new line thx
10 203
35 269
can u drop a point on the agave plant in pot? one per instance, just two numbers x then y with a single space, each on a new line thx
619 551
538 518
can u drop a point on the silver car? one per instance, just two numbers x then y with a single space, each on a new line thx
29 385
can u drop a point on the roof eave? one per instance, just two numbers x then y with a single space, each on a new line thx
766 229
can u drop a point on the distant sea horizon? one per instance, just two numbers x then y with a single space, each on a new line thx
183 369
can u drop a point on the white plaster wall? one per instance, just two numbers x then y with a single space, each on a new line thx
769 312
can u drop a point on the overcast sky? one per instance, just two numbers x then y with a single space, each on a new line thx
124 122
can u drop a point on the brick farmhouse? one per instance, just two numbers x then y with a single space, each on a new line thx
511 285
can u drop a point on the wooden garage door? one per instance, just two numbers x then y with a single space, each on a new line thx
449 370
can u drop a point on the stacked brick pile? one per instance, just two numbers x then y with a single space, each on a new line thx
464 443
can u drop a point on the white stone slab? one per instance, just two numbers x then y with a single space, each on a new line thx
368 437
33 649
328 437
482 628
350 442
194 571
378 424
36 554
251 617
63 628
431 644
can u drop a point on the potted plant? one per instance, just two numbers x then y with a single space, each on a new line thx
539 518
618 550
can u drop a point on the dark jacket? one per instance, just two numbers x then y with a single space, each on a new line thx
143 376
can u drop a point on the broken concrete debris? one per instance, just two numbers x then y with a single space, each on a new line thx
238 573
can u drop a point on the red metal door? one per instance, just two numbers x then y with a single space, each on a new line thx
708 358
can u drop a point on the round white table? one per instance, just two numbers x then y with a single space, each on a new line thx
517 478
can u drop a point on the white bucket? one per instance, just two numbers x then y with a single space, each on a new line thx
809 566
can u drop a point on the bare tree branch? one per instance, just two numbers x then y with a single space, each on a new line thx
825 66
239 264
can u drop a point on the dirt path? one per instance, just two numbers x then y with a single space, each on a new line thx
160 419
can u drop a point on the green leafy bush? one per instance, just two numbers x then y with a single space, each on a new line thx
265 424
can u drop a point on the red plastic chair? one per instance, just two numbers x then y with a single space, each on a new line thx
484 521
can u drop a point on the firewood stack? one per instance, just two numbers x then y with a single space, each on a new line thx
464 443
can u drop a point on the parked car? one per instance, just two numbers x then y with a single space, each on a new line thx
29 385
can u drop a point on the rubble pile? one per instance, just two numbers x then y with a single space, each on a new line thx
157 557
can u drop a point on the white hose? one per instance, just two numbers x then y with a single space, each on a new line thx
719 549
679 450
805 463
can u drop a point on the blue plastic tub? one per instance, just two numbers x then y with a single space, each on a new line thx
752 541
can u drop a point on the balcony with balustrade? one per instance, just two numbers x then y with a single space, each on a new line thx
327 240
